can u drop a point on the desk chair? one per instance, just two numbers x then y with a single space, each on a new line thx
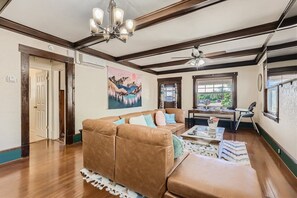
247 113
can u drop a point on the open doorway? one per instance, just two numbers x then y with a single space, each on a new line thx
47 99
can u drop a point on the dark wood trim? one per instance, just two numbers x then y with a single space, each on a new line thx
99 54
282 58
44 54
25 123
232 75
247 52
27 31
209 67
26 52
178 81
234 35
281 46
282 70
5 6
172 11
278 25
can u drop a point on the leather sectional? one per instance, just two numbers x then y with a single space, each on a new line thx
142 159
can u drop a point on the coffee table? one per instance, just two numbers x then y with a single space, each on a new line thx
203 140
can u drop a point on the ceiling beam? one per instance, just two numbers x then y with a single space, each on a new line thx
4 5
209 67
27 31
247 52
281 46
172 11
277 27
229 36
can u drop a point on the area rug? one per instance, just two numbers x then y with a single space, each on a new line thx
232 151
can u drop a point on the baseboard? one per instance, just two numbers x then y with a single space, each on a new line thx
77 138
288 160
10 155
222 123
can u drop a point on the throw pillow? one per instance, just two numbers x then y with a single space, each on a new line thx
149 121
120 121
139 120
170 118
178 145
160 118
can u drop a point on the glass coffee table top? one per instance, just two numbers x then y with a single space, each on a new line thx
205 133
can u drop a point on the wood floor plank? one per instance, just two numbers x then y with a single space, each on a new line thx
53 171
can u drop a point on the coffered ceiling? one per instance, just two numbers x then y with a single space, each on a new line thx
240 29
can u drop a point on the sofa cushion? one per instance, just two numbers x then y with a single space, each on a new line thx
173 127
179 114
160 118
149 121
120 121
178 146
170 118
200 176
138 120
152 112
129 115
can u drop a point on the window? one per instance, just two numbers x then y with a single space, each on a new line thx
169 92
275 77
217 90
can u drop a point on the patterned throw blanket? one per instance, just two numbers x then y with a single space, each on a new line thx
232 151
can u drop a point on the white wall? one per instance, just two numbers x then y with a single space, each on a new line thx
284 132
246 85
90 93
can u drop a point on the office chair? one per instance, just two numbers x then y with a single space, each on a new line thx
247 113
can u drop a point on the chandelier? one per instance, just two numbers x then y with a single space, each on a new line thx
116 27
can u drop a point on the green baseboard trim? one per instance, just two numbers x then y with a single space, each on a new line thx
76 138
289 161
223 123
10 155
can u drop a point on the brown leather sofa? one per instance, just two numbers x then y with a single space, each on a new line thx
142 159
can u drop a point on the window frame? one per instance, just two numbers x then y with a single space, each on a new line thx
232 75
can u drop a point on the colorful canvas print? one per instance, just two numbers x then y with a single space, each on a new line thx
124 89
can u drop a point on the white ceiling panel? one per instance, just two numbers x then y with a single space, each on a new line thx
236 45
213 62
293 11
69 19
220 18
284 36
283 52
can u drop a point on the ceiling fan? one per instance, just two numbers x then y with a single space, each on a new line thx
198 58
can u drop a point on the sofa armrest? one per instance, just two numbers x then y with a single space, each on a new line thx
179 114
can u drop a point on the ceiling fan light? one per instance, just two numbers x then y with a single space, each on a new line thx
130 25
124 34
118 16
201 62
93 27
98 15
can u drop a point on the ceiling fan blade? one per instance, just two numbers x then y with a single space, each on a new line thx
181 57
209 55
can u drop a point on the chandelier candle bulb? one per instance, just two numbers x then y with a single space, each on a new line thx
124 33
130 25
93 27
118 16
98 15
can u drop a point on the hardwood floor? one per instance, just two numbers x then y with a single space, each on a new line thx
53 171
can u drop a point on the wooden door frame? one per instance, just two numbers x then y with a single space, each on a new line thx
178 81
26 52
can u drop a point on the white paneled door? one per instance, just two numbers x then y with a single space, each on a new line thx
41 103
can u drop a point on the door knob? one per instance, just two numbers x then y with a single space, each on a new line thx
35 107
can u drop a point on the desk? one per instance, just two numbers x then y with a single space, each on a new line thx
194 113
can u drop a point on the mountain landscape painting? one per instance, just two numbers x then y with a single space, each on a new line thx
124 89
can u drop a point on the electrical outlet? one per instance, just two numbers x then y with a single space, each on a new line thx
11 79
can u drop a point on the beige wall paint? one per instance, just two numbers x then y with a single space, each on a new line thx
284 132
246 85
90 93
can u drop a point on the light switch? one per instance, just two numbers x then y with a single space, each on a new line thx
11 79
